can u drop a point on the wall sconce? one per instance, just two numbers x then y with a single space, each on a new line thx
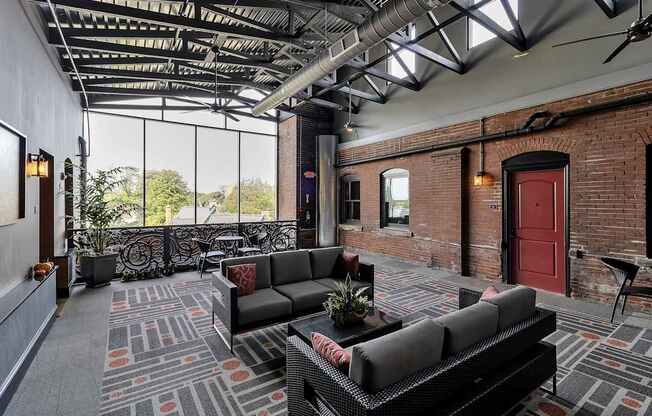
36 166
481 178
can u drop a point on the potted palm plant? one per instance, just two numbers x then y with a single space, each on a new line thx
97 209
347 306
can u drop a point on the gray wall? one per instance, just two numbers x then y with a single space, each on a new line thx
497 82
35 99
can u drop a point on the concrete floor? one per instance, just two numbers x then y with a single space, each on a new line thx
66 374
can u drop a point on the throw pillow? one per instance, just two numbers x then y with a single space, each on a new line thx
351 264
331 351
489 293
244 277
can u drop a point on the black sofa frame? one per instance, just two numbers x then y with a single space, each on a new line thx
469 383
225 305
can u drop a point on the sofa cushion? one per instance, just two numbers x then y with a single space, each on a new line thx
263 272
243 276
468 326
304 295
263 305
383 361
331 283
514 305
290 267
324 261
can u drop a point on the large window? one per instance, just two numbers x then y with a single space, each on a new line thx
350 200
257 177
117 142
478 34
395 198
409 59
217 176
186 174
170 173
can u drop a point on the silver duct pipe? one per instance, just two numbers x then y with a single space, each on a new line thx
395 15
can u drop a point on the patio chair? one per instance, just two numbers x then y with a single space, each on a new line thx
255 248
625 273
206 255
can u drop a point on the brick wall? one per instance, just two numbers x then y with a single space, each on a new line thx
457 226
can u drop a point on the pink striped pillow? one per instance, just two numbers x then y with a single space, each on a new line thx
489 293
331 351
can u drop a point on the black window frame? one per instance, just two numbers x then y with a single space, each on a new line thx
384 219
347 182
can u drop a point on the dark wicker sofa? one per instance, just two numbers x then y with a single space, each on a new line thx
288 285
488 378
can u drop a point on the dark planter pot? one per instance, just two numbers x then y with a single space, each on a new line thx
98 270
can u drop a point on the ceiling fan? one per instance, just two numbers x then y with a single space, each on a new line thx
214 107
638 31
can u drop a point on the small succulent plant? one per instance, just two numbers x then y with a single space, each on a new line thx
346 305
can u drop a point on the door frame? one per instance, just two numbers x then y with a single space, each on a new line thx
47 202
532 161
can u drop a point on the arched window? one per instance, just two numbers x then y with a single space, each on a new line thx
350 200
395 208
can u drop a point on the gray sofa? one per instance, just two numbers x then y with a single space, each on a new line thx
480 360
289 284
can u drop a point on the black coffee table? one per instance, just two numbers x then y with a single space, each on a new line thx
376 324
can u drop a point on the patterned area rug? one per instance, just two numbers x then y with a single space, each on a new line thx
164 357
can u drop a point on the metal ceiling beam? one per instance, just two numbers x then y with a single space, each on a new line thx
445 39
76 32
161 76
518 31
124 60
608 7
100 46
427 54
370 70
242 19
175 21
485 21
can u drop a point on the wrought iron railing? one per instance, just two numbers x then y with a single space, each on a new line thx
151 251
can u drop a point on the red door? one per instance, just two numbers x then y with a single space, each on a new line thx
538 252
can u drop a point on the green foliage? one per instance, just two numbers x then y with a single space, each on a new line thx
165 188
210 199
345 301
256 197
97 208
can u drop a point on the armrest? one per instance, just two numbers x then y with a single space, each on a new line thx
225 302
468 297
316 387
366 273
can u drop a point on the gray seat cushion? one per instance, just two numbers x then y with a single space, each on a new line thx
324 261
331 283
383 361
263 305
304 295
290 267
263 269
468 326
514 305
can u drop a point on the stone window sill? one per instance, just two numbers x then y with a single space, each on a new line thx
350 227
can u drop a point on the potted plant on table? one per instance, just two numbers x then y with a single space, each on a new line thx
97 209
347 306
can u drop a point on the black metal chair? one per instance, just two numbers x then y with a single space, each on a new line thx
256 246
206 255
625 273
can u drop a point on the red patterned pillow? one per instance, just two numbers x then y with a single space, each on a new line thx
489 293
331 351
351 264
243 276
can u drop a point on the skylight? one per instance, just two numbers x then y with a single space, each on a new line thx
408 58
495 11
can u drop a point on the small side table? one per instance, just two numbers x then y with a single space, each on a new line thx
230 244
